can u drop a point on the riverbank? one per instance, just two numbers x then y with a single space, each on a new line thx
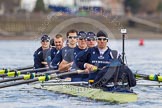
22 28
132 34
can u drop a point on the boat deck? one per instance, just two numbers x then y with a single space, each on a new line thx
92 93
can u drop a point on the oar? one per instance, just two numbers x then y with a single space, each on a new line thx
41 78
17 73
59 80
144 84
3 71
64 83
151 77
24 68
28 76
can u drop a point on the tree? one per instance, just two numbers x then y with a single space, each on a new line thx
160 7
39 6
133 5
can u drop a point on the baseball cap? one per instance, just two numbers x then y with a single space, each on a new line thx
45 37
82 34
91 35
102 34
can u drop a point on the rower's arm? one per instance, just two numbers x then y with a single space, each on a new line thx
82 58
64 66
56 60
37 60
67 61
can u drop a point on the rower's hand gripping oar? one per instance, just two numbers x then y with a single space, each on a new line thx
42 78
18 73
3 71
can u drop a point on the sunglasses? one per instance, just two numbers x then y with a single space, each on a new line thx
45 40
104 39
82 38
91 39
72 37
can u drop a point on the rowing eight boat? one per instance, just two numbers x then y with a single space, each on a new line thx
92 93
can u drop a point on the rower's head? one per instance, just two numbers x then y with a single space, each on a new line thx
72 37
58 41
91 39
102 39
82 40
45 41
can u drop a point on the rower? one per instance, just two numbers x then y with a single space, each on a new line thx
101 57
40 59
67 61
58 42
91 39
71 44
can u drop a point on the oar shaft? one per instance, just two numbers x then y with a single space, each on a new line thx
150 77
69 73
23 68
64 83
3 71
41 78
34 70
17 73
143 84
28 76
13 79
19 83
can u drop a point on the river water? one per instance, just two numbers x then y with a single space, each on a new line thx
145 59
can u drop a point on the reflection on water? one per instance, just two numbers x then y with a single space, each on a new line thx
146 59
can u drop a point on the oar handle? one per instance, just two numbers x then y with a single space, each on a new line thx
80 71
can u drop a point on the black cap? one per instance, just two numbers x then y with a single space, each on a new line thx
91 35
82 34
102 34
45 37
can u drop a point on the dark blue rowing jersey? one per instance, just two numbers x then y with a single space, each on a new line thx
41 55
93 56
71 54
51 54
38 58
69 57
59 57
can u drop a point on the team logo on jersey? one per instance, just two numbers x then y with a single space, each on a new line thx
93 52
74 53
58 51
101 56
39 52
65 51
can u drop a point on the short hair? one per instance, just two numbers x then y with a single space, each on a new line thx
58 36
71 31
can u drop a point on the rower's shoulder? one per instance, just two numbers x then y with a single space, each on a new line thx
38 51
66 48
92 49
114 54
